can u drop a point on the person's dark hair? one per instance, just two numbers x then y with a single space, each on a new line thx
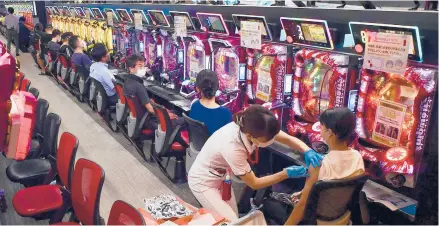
11 10
341 121
73 41
38 27
132 60
22 19
257 121
55 33
207 82
66 35
98 52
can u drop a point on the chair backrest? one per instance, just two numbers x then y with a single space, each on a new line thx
122 213
134 105
50 134
87 181
119 91
100 90
41 113
330 200
198 133
165 125
34 92
25 84
65 158
65 61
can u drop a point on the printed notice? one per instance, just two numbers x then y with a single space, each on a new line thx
387 52
138 21
389 118
110 18
250 33
180 26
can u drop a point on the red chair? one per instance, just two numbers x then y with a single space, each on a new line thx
121 106
135 131
39 200
25 84
170 142
122 213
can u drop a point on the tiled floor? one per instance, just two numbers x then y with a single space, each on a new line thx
127 176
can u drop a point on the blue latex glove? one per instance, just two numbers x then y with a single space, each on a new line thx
313 158
296 171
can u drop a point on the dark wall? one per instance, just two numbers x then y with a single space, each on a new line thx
41 12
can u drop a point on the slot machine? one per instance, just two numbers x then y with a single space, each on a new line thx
50 17
153 44
394 110
322 79
128 32
138 36
118 37
269 76
227 56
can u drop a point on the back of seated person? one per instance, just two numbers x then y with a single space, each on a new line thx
206 110
338 131
45 38
79 58
65 48
53 45
99 71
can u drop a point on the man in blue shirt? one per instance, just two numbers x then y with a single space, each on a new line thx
99 71
78 57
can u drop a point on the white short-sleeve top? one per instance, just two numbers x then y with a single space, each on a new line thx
340 164
227 148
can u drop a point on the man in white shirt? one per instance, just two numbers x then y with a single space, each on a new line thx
11 23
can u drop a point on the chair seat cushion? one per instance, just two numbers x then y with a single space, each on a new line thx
36 200
147 132
177 146
27 170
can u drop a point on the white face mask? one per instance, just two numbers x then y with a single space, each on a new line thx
141 73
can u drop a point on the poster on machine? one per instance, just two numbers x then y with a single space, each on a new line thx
251 34
180 26
110 18
389 118
263 88
386 52
138 21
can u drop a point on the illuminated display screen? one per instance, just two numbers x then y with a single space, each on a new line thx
288 82
189 25
80 12
124 15
144 18
72 12
213 23
56 11
89 11
307 32
115 17
359 32
180 56
158 18
265 31
97 13
65 11
48 10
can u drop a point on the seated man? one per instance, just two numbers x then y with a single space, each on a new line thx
23 35
99 71
53 45
78 57
337 130
65 48
45 38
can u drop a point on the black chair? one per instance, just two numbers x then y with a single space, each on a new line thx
34 92
41 113
52 64
334 202
170 142
107 112
198 135
135 129
48 142
90 91
32 172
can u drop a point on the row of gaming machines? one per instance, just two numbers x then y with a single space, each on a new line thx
296 74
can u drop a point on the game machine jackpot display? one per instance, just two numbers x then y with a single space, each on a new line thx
227 59
322 79
269 75
394 109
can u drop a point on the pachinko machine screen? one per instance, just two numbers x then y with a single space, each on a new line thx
307 32
89 12
97 13
124 15
213 23
80 12
65 11
189 24
158 18
359 32
227 68
196 60
144 17
265 30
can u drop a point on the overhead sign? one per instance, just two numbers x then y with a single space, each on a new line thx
109 18
307 32
138 22
251 34
180 26
386 52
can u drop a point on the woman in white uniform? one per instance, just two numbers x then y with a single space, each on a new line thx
227 150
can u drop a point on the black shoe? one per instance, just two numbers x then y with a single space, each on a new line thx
414 8
17 55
